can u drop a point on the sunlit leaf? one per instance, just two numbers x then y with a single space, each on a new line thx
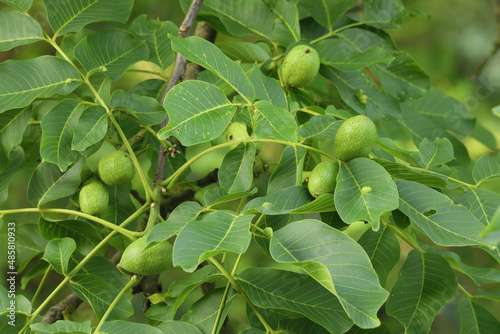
321 127
90 129
275 122
267 89
58 252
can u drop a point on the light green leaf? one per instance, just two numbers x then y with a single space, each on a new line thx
85 234
18 29
342 55
288 172
326 12
29 243
110 52
267 89
383 250
58 252
364 191
286 24
271 289
274 122
12 126
324 203
57 133
127 327
236 170
203 313
476 319
317 248
245 52
100 293
218 232
62 326
22 81
16 163
90 129
176 327
486 168
446 223
496 111
48 183
491 233
155 33
219 195
23 305
321 127
385 14
181 215
23 5
483 203
146 109
71 16
403 172
435 153
425 283
280 202
198 112
360 93
207 55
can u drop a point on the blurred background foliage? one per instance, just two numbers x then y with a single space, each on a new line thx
455 45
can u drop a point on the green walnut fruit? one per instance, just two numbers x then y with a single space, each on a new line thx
94 197
236 131
151 261
300 66
116 168
355 138
323 178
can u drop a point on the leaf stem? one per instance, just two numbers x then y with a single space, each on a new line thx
468 185
133 280
39 288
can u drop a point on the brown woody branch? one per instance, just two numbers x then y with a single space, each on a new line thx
56 312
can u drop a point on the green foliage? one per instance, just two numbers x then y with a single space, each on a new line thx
384 153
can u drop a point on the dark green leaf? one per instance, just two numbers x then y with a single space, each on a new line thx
16 163
177 327
267 89
91 128
280 202
288 172
146 109
384 14
476 319
12 126
29 243
486 168
434 153
382 329
120 205
219 195
127 327
483 203
23 5
18 29
274 122
286 28
38 269
403 172
236 170
326 12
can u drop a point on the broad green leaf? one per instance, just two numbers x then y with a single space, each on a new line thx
90 129
384 14
317 248
446 223
288 172
493 295
181 215
146 109
155 33
435 153
267 89
342 55
245 52
207 55
252 331
48 183
127 327
254 18
218 232
85 234
324 203
286 290
425 283
476 318
364 191
100 293
203 313
486 168
491 233
57 133
444 111
22 81
321 127
383 250
236 170
23 5
280 202
403 172
23 305
302 326
103 268
176 327
382 329
34 271
387 145
110 52
275 122
326 12
58 252
18 29
12 126
62 326
360 93
29 243
120 206
218 195
71 16
198 112
286 28
16 163
483 203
